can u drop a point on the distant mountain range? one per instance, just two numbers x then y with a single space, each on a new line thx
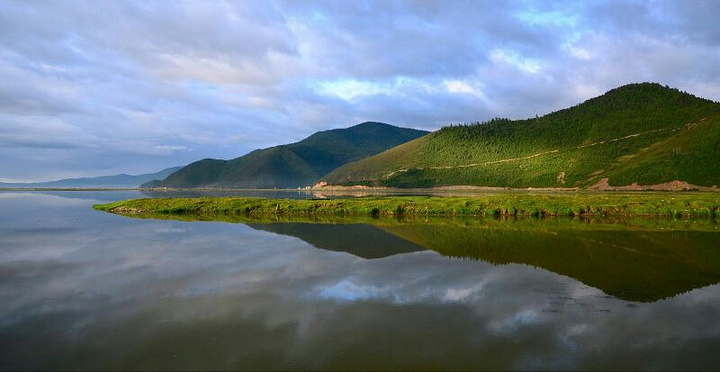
639 133
291 166
116 181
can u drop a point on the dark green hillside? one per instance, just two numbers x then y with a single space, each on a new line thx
197 173
643 133
294 165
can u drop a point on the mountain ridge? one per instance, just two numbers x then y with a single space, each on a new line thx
643 133
292 165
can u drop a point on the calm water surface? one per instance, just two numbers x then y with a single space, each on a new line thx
83 289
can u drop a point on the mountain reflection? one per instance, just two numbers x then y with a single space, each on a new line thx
634 264
361 240
90 290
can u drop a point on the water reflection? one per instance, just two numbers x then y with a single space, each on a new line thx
113 195
308 193
89 290
361 240
101 196
631 264
317 194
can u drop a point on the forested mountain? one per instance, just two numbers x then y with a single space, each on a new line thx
294 165
644 133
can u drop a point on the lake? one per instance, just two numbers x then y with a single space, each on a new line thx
83 289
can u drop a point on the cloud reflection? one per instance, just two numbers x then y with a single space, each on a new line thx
113 292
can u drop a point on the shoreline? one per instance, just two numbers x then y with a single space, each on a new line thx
505 204
601 186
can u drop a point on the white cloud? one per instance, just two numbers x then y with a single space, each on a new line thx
514 58
168 149
458 86
349 89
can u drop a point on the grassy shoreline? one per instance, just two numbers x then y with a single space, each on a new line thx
504 204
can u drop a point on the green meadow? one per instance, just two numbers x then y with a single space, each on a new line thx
498 204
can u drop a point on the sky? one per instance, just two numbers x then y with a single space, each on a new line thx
92 88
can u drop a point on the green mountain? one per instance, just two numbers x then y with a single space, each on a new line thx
294 165
116 181
643 133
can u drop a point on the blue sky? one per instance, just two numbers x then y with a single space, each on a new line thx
94 88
